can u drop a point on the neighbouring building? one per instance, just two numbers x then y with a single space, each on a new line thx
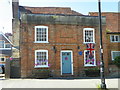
112 36
5 47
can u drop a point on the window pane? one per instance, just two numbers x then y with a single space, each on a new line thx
116 38
41 34
2 59
112 38
7 45
115 54
89 58
41 58
119 38
2 44
88 35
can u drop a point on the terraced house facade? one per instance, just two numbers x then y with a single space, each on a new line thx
57 39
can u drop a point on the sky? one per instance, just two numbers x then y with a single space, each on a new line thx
82 6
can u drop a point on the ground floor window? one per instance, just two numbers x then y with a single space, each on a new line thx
2 59
41 58
89 58
114 54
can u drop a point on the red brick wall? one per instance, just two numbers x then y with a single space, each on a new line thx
111 20
63 37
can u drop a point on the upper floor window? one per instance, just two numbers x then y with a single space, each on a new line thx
41 58
41 34
115 38
2 44
114 54
88 35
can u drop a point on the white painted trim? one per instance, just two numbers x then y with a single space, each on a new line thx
46 34
71 59
112 54
41 42
89 64
84 34
36 58
6 38
5 48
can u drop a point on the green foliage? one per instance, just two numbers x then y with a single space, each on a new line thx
117 61
98 86
107 30
89 69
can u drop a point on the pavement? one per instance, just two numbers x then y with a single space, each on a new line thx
57 83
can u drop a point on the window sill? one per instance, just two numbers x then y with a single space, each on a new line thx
89 65
41 66
88 42
40 42
114 42
5 48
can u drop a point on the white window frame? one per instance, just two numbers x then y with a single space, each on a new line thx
46 34
89 29
38 66
114 37
85 58
112 54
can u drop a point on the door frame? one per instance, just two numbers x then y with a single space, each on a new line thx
71 59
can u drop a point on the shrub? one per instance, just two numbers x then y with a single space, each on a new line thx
117 61
40 73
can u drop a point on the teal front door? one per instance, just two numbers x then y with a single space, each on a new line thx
66 63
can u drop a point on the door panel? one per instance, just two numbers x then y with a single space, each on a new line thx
66 62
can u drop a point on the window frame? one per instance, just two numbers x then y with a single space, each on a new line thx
88 29
112 54
87 65
38 66
114 38
4 59
46 34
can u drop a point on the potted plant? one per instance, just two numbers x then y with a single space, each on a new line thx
92 72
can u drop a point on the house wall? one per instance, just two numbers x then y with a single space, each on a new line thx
112 46
62 35
112 20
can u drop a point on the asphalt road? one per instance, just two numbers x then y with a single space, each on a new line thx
56 83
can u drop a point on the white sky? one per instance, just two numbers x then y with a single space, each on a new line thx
82 6
5 16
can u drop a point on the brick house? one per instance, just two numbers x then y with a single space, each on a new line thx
56 38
